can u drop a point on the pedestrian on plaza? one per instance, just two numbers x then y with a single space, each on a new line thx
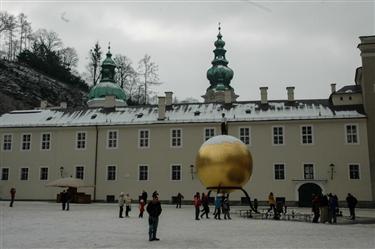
352 202
12 196
197 204
224 125
121 202
271 202
205 203
128 202
154 211
315 207
179 198
68 199
144 196
218 204
323 209
63 199
332 207
255 205
226 207
141 208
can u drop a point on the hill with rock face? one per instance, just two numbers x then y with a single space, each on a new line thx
22 88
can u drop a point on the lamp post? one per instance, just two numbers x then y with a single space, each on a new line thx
192 172
61 171
332 170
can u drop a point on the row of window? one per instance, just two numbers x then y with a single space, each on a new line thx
308 171
278 137
175 173
143 173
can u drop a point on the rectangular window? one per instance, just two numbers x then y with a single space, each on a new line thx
44 174
307 134
176 137
278 135
4 174
45 141
144 136
143 173
26 142
308 171
7 142
111 173
176 172
24 174
354 171
112 139
81 140
351 134
279 170
208 133
245 135
80 172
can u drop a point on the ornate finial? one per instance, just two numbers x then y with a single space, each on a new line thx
109 46
219 26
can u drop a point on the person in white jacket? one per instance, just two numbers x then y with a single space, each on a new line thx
121 201
128 201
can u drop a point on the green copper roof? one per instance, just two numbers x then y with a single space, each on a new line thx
220 73
107 85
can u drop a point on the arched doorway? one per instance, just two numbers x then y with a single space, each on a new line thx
305 193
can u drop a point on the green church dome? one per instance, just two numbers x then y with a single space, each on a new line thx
107 85
220 73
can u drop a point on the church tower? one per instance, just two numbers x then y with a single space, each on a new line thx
220 76
107 93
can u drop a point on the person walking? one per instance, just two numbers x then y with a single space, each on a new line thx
154 211
197 204
352 202
179 198
121 202
218 203
206 208
12 196
68 199
271 202
141 208
315 208
63 199
256 205
226 208
332 206
144 196
128 202
323 209
224 125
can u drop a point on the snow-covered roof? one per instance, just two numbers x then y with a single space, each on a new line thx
178 113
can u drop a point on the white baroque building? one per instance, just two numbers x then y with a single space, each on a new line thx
299 146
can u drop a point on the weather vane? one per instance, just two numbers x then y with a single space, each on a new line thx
109 46
219 26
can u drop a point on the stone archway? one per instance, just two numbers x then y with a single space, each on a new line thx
305 192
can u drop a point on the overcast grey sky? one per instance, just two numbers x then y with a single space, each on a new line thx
306 44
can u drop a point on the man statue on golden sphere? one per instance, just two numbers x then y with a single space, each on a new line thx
224 163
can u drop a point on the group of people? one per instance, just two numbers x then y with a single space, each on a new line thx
221 206
153 209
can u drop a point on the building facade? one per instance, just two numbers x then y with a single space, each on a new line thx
298 146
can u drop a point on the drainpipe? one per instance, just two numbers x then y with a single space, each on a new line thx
96 161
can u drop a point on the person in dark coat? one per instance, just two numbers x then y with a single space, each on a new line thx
226 207
68 199
154 211
63 199
205 203
197 204
332 206
179 198
352 202
256 205
316 208
12 196
218 204
224 125
144 196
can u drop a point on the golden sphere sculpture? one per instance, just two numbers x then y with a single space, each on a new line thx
224 161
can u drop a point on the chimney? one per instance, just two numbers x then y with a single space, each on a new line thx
263 95
161 107
168 98
43 104
109 102
290 92
63 105
227 97
333 87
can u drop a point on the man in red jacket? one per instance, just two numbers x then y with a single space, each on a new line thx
197 204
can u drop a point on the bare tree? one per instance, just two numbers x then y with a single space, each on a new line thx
148 73
95 56
5 19
125 71
69 57
24 27
11 27
49 39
